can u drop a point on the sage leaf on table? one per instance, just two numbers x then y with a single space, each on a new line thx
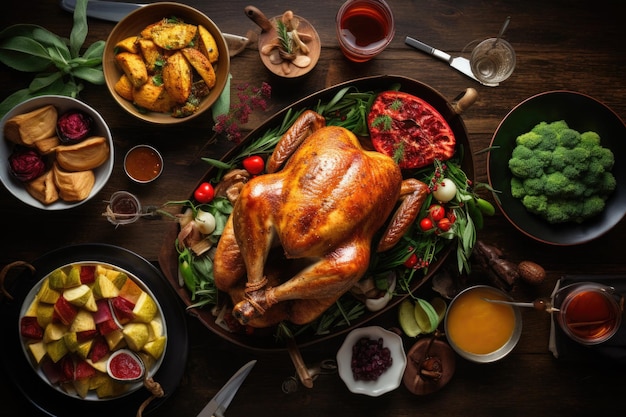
57 62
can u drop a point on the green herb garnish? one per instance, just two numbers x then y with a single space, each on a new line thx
59 66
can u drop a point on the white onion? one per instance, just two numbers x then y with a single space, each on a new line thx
205 222
446 190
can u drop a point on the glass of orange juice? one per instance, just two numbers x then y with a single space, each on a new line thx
364 28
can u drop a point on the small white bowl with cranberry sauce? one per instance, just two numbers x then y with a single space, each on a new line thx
371 361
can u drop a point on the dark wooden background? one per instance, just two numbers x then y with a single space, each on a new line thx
571 45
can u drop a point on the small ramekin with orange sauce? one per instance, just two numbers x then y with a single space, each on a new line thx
143 164
481 331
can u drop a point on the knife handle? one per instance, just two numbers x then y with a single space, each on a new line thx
421 46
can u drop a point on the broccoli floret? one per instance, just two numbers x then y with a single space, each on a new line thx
529 140
569 138
559 159
555 183
524 164
559 211
545 157
545 130
534 186
589 140
560 174
591 207
603 156
607 184
517 188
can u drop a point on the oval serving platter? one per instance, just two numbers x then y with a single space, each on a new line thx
48 399
264 341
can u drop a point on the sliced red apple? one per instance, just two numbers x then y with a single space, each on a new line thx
65 311
103 311
51 370
87 274
99 349
67 369
86 335
108 326
122 309
83 370
30 328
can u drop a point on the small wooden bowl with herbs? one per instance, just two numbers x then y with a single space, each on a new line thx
289 45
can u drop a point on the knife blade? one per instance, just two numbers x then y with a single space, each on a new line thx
459 63
114 11
223 398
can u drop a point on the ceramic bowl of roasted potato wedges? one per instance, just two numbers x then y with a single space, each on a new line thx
57 152
166 63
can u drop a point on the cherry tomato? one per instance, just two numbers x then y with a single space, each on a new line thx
426 224
411 261
451 216
436 212
204 193
254 164
444 224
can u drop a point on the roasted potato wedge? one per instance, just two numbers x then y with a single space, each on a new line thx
128 44
201 64
151 54
171 35
124 87
207 44
134 68
177 77
152 97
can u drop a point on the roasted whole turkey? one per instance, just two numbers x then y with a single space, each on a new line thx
301 236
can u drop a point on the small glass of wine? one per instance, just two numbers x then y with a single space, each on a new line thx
364 28
589 313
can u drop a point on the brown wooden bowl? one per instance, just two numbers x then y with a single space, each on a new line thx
132 25
269 34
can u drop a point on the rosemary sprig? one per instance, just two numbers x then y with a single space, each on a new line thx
283 35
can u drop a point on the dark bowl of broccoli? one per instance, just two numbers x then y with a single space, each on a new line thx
557 163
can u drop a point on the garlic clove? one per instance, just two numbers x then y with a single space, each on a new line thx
301 61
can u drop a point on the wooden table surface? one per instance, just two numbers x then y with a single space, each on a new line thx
571 45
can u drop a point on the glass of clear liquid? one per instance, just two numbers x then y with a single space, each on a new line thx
493 60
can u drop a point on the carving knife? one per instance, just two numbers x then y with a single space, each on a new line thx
114 11
218 404
458 63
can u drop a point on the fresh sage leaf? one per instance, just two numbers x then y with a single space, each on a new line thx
92 75
79 28
24 46
45 37
42 81
95 51
56 60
